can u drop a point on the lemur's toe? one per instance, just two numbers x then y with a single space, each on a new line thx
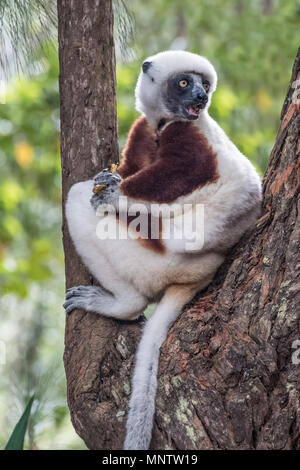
73 303
77 297
82 297
75 291
72 292
69 307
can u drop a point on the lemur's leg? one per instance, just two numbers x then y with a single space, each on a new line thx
127 304
116 297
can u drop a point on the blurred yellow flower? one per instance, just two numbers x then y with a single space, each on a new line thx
263 101
24 154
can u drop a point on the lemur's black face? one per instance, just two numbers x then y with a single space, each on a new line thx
186 95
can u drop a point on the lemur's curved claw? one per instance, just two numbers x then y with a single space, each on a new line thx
113 168
98 188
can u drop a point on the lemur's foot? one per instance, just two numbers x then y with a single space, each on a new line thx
84 297
106 184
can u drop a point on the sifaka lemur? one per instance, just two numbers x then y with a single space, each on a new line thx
178 167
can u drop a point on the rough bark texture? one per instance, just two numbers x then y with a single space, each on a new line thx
226 378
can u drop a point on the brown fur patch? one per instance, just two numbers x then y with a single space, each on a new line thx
182 162
140 150
152 238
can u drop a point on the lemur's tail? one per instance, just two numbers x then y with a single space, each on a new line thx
144 382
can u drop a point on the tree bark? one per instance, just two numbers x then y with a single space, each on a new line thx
226 378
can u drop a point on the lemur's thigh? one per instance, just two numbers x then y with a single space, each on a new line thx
116 297
82 224
197 268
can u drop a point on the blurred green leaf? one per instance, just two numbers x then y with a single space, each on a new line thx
16 440
10 193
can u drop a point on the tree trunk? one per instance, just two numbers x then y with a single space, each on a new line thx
226 378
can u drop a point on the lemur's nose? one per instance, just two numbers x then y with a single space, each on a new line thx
202 96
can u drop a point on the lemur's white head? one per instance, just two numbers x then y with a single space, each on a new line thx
175 84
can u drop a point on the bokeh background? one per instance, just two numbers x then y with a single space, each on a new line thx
252 45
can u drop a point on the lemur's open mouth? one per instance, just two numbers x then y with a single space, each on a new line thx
191 111
194 109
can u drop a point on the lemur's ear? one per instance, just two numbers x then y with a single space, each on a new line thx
146 66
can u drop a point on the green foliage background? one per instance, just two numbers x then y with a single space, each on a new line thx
252 45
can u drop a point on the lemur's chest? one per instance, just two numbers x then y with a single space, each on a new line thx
161 167
190 160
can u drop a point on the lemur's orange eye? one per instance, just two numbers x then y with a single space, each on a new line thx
183 83
206 86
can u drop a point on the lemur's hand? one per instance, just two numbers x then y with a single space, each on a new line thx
106 188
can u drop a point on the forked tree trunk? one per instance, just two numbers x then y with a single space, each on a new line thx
226 378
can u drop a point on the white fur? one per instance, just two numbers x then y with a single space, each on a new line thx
136 275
